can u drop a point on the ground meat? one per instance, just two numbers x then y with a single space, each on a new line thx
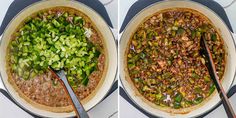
43 90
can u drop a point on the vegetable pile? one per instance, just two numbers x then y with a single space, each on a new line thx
56 39
163 58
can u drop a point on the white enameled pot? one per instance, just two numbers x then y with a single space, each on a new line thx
229 44
110 47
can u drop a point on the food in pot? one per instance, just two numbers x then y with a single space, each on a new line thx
60 38
164 62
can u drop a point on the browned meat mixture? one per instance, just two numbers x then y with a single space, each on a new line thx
46 90
164 61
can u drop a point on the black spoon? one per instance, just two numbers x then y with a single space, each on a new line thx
77 106
206 54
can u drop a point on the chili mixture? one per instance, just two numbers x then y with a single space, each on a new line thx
163 58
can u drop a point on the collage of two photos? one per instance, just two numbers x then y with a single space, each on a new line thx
117 59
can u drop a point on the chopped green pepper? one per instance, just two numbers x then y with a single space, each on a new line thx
213 37
212 89
180 31
195 76
198 100
166 75
56 41
158 96
178 98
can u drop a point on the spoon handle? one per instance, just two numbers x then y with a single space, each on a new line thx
79 109
212 71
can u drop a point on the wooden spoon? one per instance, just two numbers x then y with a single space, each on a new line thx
206 54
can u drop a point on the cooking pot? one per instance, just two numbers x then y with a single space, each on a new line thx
229 44
109 44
